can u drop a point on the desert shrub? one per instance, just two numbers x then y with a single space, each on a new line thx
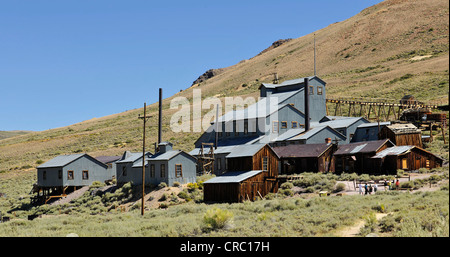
340 187
348 176
192 187
400 172
162 185
286 192
176 184
287 185
364 177
217 218
96 184
183 195
163 198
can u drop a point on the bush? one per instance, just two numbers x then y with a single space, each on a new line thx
287 185
340 187
176 184
217 218
162 185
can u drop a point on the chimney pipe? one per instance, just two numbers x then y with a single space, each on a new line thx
160 117
307 126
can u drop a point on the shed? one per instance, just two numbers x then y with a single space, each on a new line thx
355 157
406 157
402 134
306 158
235 186
254 157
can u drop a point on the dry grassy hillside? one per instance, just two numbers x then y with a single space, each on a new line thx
389 50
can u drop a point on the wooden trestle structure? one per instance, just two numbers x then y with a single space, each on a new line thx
206 159
375 109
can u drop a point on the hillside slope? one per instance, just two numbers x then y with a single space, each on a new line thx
389 50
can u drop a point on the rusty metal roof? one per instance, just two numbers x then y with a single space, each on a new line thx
299 151
362 147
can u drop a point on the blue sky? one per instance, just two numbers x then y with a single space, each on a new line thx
62 62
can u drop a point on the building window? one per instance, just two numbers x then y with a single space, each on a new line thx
85 174
275 127
294 124
152 170
44 175
428 164
265 163
311 90
284 124
178 170
124 171
219 163
60 174
319 90
70 174
163 170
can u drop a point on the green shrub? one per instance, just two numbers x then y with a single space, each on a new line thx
340 187
162 185
216 218
287 185
176 184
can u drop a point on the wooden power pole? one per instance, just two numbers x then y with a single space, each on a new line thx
144 118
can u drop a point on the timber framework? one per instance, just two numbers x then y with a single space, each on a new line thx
380 109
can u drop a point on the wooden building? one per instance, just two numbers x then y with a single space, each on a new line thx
406 158
356 157
402 134
65 173
252 172
306 158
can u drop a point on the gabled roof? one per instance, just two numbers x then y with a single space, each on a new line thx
362 147
290 82
233 177
314 131
63 160
132 157
341 122
301 151
245 150
257 110
169 155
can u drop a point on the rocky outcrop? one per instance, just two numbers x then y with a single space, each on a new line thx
207 75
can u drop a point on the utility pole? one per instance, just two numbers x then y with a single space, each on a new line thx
144 118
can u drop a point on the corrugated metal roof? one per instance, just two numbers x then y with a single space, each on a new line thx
374 124
396 150
245 150
287 82
361 147
132 157
290 133
60 161
107 159
233 177
219 150
301 151
341 123
404 128
165 156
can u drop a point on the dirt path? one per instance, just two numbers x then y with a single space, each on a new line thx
74 195
354 230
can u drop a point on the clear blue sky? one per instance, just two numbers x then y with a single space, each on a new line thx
65 61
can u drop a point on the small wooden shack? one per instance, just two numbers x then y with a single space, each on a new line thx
405 157
402 134
252 173
306 158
